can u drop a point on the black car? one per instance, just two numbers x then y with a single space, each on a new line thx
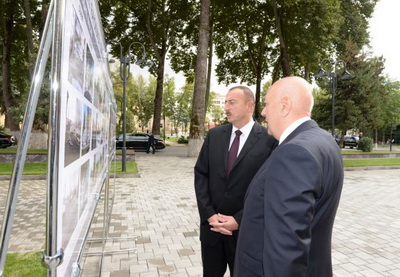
7 140
138 141
351 141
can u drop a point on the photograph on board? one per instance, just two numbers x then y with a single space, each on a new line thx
73 126
76 54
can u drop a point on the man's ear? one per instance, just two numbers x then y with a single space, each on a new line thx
286 106
250 106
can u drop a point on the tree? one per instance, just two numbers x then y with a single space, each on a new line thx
358 102
29 33
156 24
141 100
305 30
169 97
391 112
140 95
21 26
355 16
243 45
200 84
8 17
287 38
216 113
184 106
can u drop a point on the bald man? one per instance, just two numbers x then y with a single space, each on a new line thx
290 205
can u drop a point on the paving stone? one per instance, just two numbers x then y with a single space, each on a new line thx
160 209
120 273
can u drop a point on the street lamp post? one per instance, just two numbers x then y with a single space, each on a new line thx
333 76
125 62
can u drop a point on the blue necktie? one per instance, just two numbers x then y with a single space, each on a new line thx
232 154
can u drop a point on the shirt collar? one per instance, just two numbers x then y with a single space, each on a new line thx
292 127
246 129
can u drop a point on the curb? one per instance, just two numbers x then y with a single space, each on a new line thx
378 167
43 177
138 175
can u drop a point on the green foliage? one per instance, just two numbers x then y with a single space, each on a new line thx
355 16
24 265
157 24
248 46
184 106
365 144
43 106
21 62
264 90
139 97
308 29
360 103
183 140
391 112
217 114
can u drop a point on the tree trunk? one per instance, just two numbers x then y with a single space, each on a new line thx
257 112
45 10
285 61
257 62
209 68
158 99
259 69
160 52
307 72
277 70
29 34
8 24
197 118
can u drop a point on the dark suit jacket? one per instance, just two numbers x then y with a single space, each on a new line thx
290 208
217 193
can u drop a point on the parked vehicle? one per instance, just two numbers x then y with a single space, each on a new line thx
351 141
138 141
7 140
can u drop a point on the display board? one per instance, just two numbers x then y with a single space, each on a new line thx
87 127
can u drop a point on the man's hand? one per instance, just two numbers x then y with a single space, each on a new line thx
223 224
213 218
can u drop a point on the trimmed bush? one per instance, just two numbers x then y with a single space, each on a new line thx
365 144
183 140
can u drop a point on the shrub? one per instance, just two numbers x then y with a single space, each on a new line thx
182 140
365 144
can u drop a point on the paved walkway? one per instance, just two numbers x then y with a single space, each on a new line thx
160 209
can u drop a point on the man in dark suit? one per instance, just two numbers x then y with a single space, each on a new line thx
290 205
151 144
222 178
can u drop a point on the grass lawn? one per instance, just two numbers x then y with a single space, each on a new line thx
29 168
34 151
371 162
24 265
14 150
175 139
373 152
41 168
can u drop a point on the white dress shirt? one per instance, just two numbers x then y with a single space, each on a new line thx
246 129
292 127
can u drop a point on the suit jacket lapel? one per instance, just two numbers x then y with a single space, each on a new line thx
306 125
226 137
250 142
